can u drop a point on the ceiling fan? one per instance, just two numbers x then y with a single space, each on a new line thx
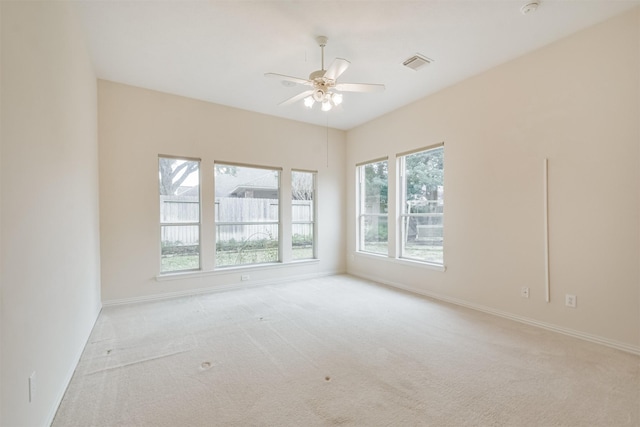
324 86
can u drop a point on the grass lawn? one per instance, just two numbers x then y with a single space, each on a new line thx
425 253
171 263
174 263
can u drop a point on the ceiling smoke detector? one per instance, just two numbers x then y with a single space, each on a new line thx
417 62
530 7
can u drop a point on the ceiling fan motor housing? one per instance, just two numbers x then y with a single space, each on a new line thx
317 75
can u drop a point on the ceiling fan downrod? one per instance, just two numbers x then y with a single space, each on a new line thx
322 42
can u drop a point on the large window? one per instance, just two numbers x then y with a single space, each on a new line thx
247 215
303 214
422 205
373 220
179 181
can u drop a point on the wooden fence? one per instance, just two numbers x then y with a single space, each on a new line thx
231 209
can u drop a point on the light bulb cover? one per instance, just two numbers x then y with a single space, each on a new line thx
336 98
326 106
309 101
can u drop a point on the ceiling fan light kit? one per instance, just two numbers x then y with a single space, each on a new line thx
324 86
328 100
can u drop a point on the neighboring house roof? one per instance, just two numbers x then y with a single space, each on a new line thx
183 193
256 192
246 179
188 191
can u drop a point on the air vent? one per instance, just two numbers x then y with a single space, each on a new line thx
417 62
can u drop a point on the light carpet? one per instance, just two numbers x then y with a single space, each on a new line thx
339 351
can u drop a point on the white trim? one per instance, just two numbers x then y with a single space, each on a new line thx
246 165
629 348
304 170
171 156
401 261
223 223
218 288
369 162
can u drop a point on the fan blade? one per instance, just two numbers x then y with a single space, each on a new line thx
337 67
296 80
359 87
297 97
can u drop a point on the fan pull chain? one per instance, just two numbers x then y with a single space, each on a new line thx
327 141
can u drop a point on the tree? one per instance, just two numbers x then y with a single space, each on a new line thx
302 185
173 172
376 176
424 174
376 186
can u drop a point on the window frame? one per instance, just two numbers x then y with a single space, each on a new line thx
403 215
361 203
163 224
217 223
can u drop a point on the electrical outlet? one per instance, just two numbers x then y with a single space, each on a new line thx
524 292
245 277
570 300
32 386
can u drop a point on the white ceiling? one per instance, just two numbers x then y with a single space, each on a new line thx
218 51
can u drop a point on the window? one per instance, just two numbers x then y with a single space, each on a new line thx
247 211
303 214
179 181
373 213
422 205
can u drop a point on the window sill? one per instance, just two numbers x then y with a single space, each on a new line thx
234 269
402 261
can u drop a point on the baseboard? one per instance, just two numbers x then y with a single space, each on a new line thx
219 288
528 321
69 375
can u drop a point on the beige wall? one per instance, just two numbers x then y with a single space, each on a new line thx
575 102
1 281
136 125
50 232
